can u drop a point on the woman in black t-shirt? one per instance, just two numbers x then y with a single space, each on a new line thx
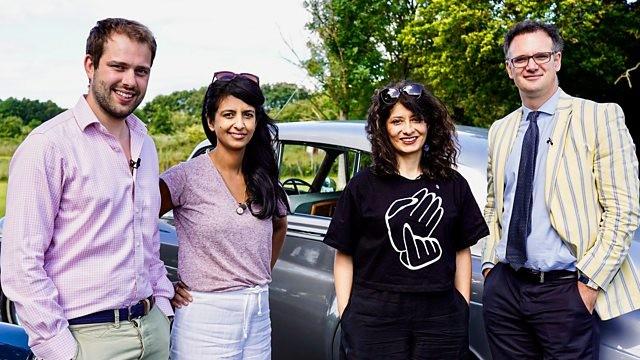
402 230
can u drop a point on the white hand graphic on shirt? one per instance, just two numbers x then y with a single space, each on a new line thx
405 219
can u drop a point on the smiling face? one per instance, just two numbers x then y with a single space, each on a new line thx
535 82
119 82
234 123
407 133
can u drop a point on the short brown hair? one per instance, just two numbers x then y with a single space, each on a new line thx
531 26
100 34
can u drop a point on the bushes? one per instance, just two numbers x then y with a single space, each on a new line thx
175 148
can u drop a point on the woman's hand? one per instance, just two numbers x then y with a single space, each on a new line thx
182 296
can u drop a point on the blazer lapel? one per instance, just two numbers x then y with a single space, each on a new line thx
506 139
558 137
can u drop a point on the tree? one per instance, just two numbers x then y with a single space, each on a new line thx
357 49
316 107
173 112
161 123
188 102
10 127
29 109
279 94
456 48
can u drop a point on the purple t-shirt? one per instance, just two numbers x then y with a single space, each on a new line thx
219 250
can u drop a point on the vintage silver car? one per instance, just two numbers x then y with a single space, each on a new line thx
316 161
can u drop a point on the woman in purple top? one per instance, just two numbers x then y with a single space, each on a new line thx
230 215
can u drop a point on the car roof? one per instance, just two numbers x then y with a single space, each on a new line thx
350 134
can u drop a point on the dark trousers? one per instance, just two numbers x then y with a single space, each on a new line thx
528 320
392 325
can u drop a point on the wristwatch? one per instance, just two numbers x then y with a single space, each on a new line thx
585 280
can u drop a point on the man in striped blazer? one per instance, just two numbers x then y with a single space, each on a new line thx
562 207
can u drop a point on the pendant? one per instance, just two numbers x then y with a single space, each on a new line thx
241 208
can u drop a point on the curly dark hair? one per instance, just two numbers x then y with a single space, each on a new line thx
439 160
259 163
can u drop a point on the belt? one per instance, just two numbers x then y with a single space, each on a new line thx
140 309
540 277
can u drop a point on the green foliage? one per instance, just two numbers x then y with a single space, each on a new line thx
29 110
7 148
356 49
4 167
166 114
10 126
456 48
185 101
3 196
316 107
278 94
175 148
161 123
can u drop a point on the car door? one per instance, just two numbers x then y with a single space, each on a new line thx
302 296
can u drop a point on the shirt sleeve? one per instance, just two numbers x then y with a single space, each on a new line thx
342 233
281 208
470 225
175 178
36 180
161 286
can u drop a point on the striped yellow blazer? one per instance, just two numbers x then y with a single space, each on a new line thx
591 191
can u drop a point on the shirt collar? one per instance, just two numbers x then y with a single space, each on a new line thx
85 117
549 107
83 114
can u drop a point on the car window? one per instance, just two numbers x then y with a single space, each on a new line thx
298 167
314 175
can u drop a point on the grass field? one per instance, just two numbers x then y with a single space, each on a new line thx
3 196
7 147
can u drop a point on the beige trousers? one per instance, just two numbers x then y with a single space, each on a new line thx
144 338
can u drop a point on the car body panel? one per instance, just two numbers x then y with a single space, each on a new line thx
13 343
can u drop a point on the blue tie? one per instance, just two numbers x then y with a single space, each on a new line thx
520 223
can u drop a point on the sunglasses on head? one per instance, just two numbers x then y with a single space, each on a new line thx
230 75
391 95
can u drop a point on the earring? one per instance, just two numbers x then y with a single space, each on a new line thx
425 147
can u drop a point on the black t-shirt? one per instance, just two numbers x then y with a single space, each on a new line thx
404 234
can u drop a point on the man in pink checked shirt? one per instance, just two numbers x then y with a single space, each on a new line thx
80 254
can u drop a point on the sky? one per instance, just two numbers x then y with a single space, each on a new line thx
42 43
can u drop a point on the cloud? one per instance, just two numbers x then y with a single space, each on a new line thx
43 43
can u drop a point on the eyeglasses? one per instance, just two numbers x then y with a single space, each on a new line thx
230 75
391 95
539 58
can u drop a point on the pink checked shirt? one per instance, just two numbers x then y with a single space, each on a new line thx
81 231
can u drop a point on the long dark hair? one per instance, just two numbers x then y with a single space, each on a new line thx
440 158
259 162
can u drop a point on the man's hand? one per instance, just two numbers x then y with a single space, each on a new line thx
182 296
588 296
410 222
485 272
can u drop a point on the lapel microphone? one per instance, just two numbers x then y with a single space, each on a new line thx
548 142
134 164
